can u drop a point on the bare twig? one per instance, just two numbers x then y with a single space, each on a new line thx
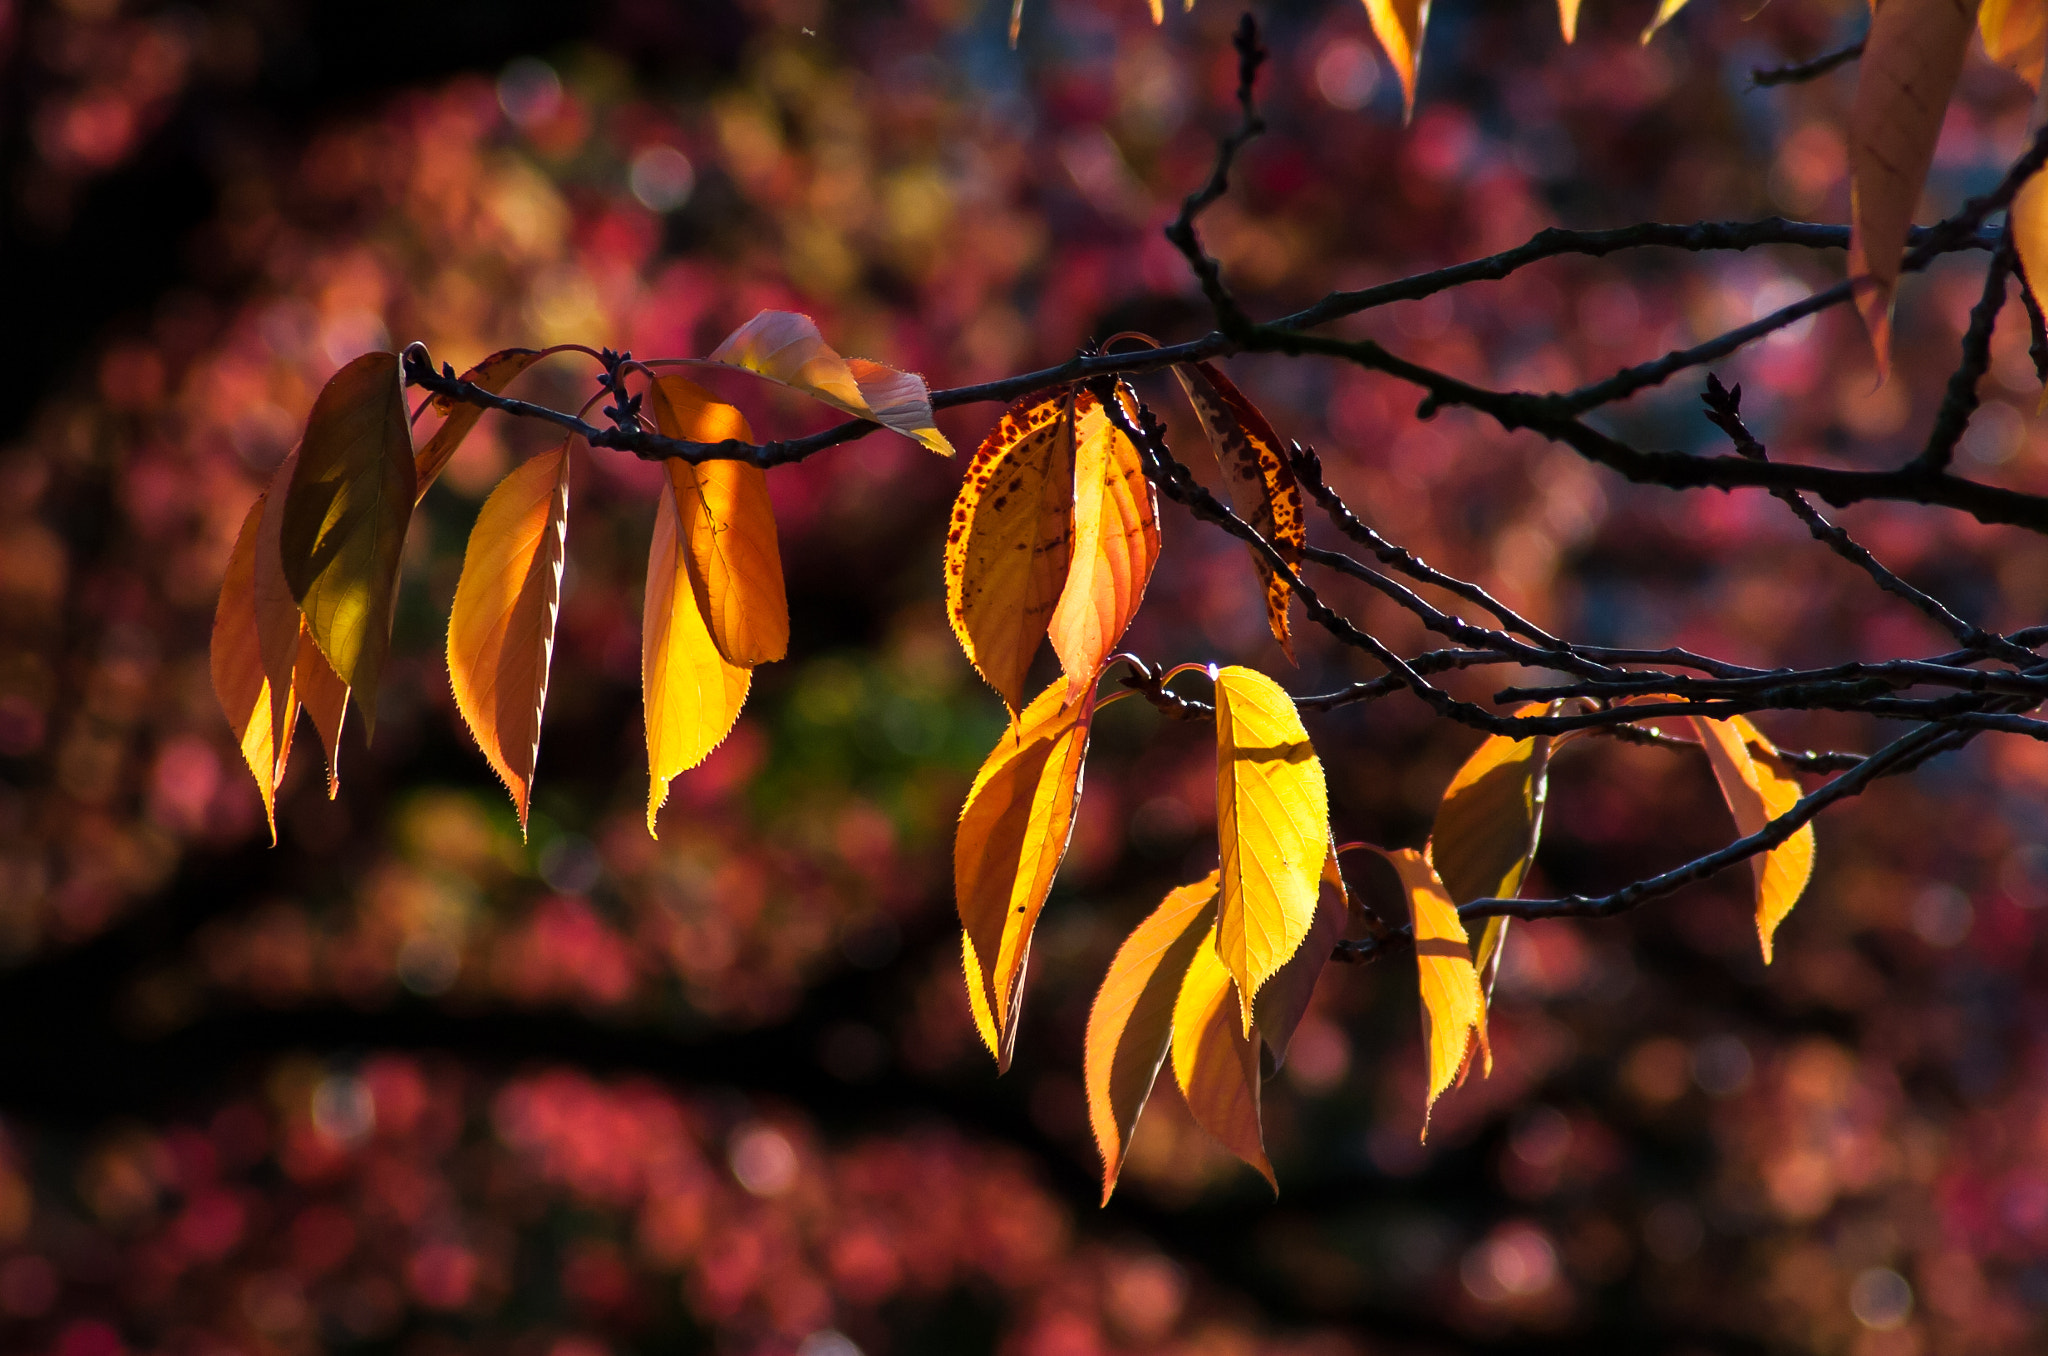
1799 71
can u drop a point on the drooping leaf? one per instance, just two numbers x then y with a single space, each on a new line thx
2016 36
1215 1063
691 694
1453 1010
1115 546
1910 63
246 696
280 625
1487 828
1263 490
786 347
1272 829
2029 218
1667 10
734 560
1758 788
501 632
1131 1022
325 700
1284 1000
1013 833
345 517
493 374
1008 544
1568 19
1398 24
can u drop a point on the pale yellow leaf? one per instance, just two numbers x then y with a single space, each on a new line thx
1115 546
1215 1063
1759 788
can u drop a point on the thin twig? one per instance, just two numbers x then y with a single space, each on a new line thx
1763 77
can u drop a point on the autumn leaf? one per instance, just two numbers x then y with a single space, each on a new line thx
1910 63
1008 544
1263 490
734 561
1216 1064
1487 828
2029 218
2015 36
1758 788
786 348
1453 1010
493 374
1013 833
1398 24
280 626
246 696
690 693
1272 829
1284 1000
1115 546
1131 1022
1667 10
1568 19
345 517
324 698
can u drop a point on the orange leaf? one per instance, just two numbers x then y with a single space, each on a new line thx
245 694
2029 218
1216 1064
325 699
493 374
1568 19
1263 490
1115 546
1759 788
1453 1010
1283 1001
1398 24
1487 828
1131 1022
501 633
1667 10
786 348
1008 545
1909 68
2016 36
691 693
345 517
1272 829
1013 833
734 561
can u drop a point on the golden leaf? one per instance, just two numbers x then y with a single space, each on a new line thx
1667 10
2029 218
1758 788
493 374
1272 829
1115 546
246 696
1399 24
1131 1021
1453 1010
1216 1064
1487 828
1568 19
786 348
2016 36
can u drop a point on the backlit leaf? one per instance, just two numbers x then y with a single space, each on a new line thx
1115 546
1217 1064
246 696
345 517
1487 828
501 633
691 694
493 374
1263 490
1453 1010
1399 24
2029 217
1568 19
1013 833
324 698
1667 10
2016 36
1284 1000
1272 829
280 627
1008 544
786 347
1909 68
1759 788
1131 1022
734 560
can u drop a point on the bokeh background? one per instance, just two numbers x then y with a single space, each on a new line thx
407 1084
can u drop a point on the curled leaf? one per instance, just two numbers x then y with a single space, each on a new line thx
734 560
1013 833
1115 546
246 696
345 517
1263 490
1272 829
1131 1021
1758 788
1008 544
786 348
493 374
1453 1010
1217 1064
1398 24
501 633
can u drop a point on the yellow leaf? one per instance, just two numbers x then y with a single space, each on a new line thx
325 699
1263 490
246 697
1453 1010
345 517
1909 68
1008 543
786 347
279 624
2016 36
1131 1022
501 633
1568 19
1284 1000
1272 829
691 693
1398 24
1667 10
2029 217
493 374
1216 1065
1013 833
1115 546
734 561
1759 788
1487 828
